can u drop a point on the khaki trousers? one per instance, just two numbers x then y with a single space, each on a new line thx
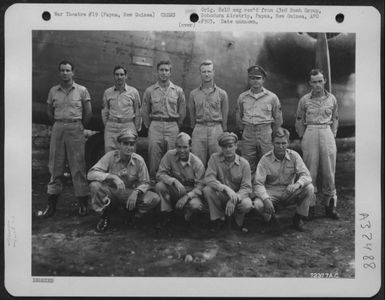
217 204
280 197
103 195
161 138
67 143
320 155
205 140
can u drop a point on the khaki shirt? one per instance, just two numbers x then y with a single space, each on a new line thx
317 111
211 107
134 173
189 174
121 104
68 105
158 103
261 108
237 175
272 172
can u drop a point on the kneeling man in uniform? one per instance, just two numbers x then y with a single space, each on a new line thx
121 177
282 179
180 180
228 183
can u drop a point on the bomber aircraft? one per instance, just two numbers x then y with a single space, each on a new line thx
286 56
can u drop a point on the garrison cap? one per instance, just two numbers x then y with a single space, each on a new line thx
227 137
256 71
127 134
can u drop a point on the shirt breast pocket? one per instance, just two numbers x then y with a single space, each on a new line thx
215 104
156 103
289 172
132 177
76 101
172 102
328 111
267 108
236 178
127 101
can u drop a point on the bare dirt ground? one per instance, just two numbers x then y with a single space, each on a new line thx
67 245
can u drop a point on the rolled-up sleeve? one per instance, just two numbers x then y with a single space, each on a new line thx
85 95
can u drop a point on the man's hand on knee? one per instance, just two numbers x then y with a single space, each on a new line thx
232 195
131 201
269 207
230 208
182 202
291 188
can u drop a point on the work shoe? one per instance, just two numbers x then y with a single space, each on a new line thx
83 206
102 224
51 207
311 215
297 223
331 211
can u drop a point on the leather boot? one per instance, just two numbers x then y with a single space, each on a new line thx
51 207
104 221
331 211
83 206
297 223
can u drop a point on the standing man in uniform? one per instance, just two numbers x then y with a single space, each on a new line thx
69 109
121 177
209 107
228 183
120 110
258 113
163 112
282 179
180 180
316 124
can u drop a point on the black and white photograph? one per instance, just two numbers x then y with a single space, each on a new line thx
210 147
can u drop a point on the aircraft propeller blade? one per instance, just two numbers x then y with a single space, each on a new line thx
322 59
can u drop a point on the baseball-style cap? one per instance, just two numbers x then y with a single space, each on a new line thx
256 71
227 137
127 134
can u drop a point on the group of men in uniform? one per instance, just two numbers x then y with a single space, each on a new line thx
198 173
